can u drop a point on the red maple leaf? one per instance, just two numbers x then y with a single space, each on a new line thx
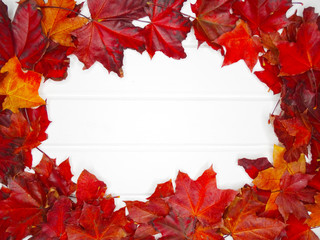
174 227
168 28
269 76
294 134
240 44
91 225
242 221
292 192
298 230
54 63
89 188
25 207
6 37
25 132
54 228
144 213
24 37
302 55
200 199
213 19
110 32
264 15
55 176
253 167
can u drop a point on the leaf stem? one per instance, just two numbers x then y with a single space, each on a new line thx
67 9
175 10
42 152
275 107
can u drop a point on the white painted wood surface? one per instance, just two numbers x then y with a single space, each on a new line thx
162 117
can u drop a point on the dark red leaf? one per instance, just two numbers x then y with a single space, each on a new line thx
6 37
25 207
111 31
54 228
168 28
253 167
292 193
55 176
29 42
54 63
264 15
213 19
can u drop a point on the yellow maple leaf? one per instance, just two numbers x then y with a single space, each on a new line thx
20 87
55 22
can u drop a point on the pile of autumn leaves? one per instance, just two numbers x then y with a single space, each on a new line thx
283 201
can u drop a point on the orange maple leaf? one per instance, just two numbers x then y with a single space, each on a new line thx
269 179
20 87
314 220
279 180
56 23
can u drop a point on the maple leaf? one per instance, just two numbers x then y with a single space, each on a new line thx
23 37
54 63
162 190
292 193
168 28
56 22
240 44
264 15
270 42
24 209
91 225
21 88
29 41
313 221
54 228
303 55
89 188
55 176
297 230
294 134
253 167
269 76
271 179
252 227
213 19
110 32
175 227
242 222
145 212
25 132
200 199
145 232
6 37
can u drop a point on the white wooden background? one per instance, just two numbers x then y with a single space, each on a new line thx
163 116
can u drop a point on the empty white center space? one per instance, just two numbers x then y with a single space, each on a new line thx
163 116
